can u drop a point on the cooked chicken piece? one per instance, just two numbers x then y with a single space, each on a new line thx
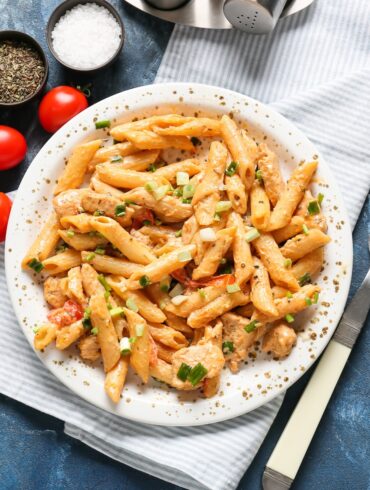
207 354
241 340
93 201
279 340
69 203
54 292
169 209
89 348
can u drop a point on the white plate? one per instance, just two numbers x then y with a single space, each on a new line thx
262 378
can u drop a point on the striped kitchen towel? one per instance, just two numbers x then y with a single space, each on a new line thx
315 69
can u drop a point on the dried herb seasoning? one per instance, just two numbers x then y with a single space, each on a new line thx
21 71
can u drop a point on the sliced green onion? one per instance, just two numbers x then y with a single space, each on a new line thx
152 168
183 372
109 305
146 222
197 374
157 221
104 283
139 329
151 186
178 192
217 217
287 263
89 257
231 169
116 158
144 281
188 191
202 293
289 295
106 295
125 346
259 175
118 311
70 233
36 265
131 305
308 301
99 213
184 256
207 235
305 229
315 297
305 279
87 312
61 247
227 347
289 318
252 234
102 124
196 141
186 201
99 251
251 326
313 207
36 329
165 284
178 233
179 299
161 192
222 206
95 331
232 288
182 178
120 210
320 198
178 289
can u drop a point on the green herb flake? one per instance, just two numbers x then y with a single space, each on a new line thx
99 213
120 210
183 372
197 373
231 169
313 208
105 123
95 331
305 279
36 265
144 281
251 326
116 159
152 168
289 318
104 283
89 257
227 347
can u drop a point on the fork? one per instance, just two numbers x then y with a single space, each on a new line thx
291 448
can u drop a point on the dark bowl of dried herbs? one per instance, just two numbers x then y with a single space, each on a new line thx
23 68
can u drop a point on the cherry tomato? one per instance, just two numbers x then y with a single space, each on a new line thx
5 207
59 106
68 314
141 216
13 147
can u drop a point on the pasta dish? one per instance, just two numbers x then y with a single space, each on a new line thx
175 269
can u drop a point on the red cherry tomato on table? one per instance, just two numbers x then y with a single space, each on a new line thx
5 207
59 106
13 147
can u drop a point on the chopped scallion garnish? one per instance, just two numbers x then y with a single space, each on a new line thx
315 297
251 326
184 256
232 288
177 290
36 265
104 283
305 229
287 263
102 124
139 329
227 347
151 186
202 293
178 233
125 346
320 198
99 251
222 206
197 374
98 212
313 207
188 191
152 168
144 281
120 210
70 233
289 318
183 372
308 301
252 234
160 192
89 257
305 279
116 158
231 169
259 175
182 178
289 295
118 311
95 331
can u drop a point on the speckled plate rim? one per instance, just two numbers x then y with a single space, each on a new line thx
158 405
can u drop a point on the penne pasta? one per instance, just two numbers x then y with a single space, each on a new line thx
310 264
128 179
274 262
189 229
292 194
98 186
82 241
107 336
80 223
149 140
66 336
74 172
90 281
75 289
205 210
120 238
164 353
112 265
195 301
107 152
140 352
62 262
261 294
44 336
45 242
179 324
115 379
120 131
169 172
199 127
290 230
260 207
241 250
169 337
304 243
268 164
236 193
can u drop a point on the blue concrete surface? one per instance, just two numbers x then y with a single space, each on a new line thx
35 454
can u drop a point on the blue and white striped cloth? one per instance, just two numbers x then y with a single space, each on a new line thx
315 69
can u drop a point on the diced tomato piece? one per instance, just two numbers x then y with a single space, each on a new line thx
222 280
69 313
142 215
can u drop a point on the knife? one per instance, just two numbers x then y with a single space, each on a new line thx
291 448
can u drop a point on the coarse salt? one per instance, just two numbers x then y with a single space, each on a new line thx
86 36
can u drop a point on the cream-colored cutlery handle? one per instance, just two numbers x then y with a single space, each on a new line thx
294 441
